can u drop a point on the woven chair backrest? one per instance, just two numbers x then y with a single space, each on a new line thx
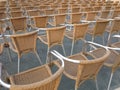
16 14
24 42
19 24
80 31
55 35
41 21
60 19
100 27
76 17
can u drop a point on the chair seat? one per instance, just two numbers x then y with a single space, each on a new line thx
117 44
71 69
109 61
31 76
43 38
90 30
12 47
69 34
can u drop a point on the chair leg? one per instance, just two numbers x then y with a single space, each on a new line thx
47 55
103 40
72 47
108 39
38 57
92 41
9 55
108 88
63 50
18 64
96 84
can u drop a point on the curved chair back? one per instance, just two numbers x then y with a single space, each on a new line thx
16 14
33 13
19 24
91 16
40 21
24 42
116 25
79 31
105 14
100 27
75 18
55 35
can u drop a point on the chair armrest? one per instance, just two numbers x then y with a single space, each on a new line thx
99 45
1 82
62 57
116 36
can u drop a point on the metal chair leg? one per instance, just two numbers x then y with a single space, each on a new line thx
92 41
47 55
96 84
18 64
72 47
9 55
103 40
108 39
63 50
108 88
38 57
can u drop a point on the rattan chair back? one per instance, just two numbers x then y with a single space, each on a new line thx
24 43
91 16
40 21
79 31
19 24
33 13
100 27
115 25
75 18
60 19
105 14
16 14
55 35
115 13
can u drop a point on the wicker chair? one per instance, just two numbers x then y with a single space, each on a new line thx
78 33
116 13
12 9
54 36
74 19
33 13
3 15
98 29
40 21
62 10
39 78
58 20
114 28
75 10
24 43
16 14
113 61
91 16
79 68
49 12
105 14
19 24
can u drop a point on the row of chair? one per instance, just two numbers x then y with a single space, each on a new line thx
82 69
